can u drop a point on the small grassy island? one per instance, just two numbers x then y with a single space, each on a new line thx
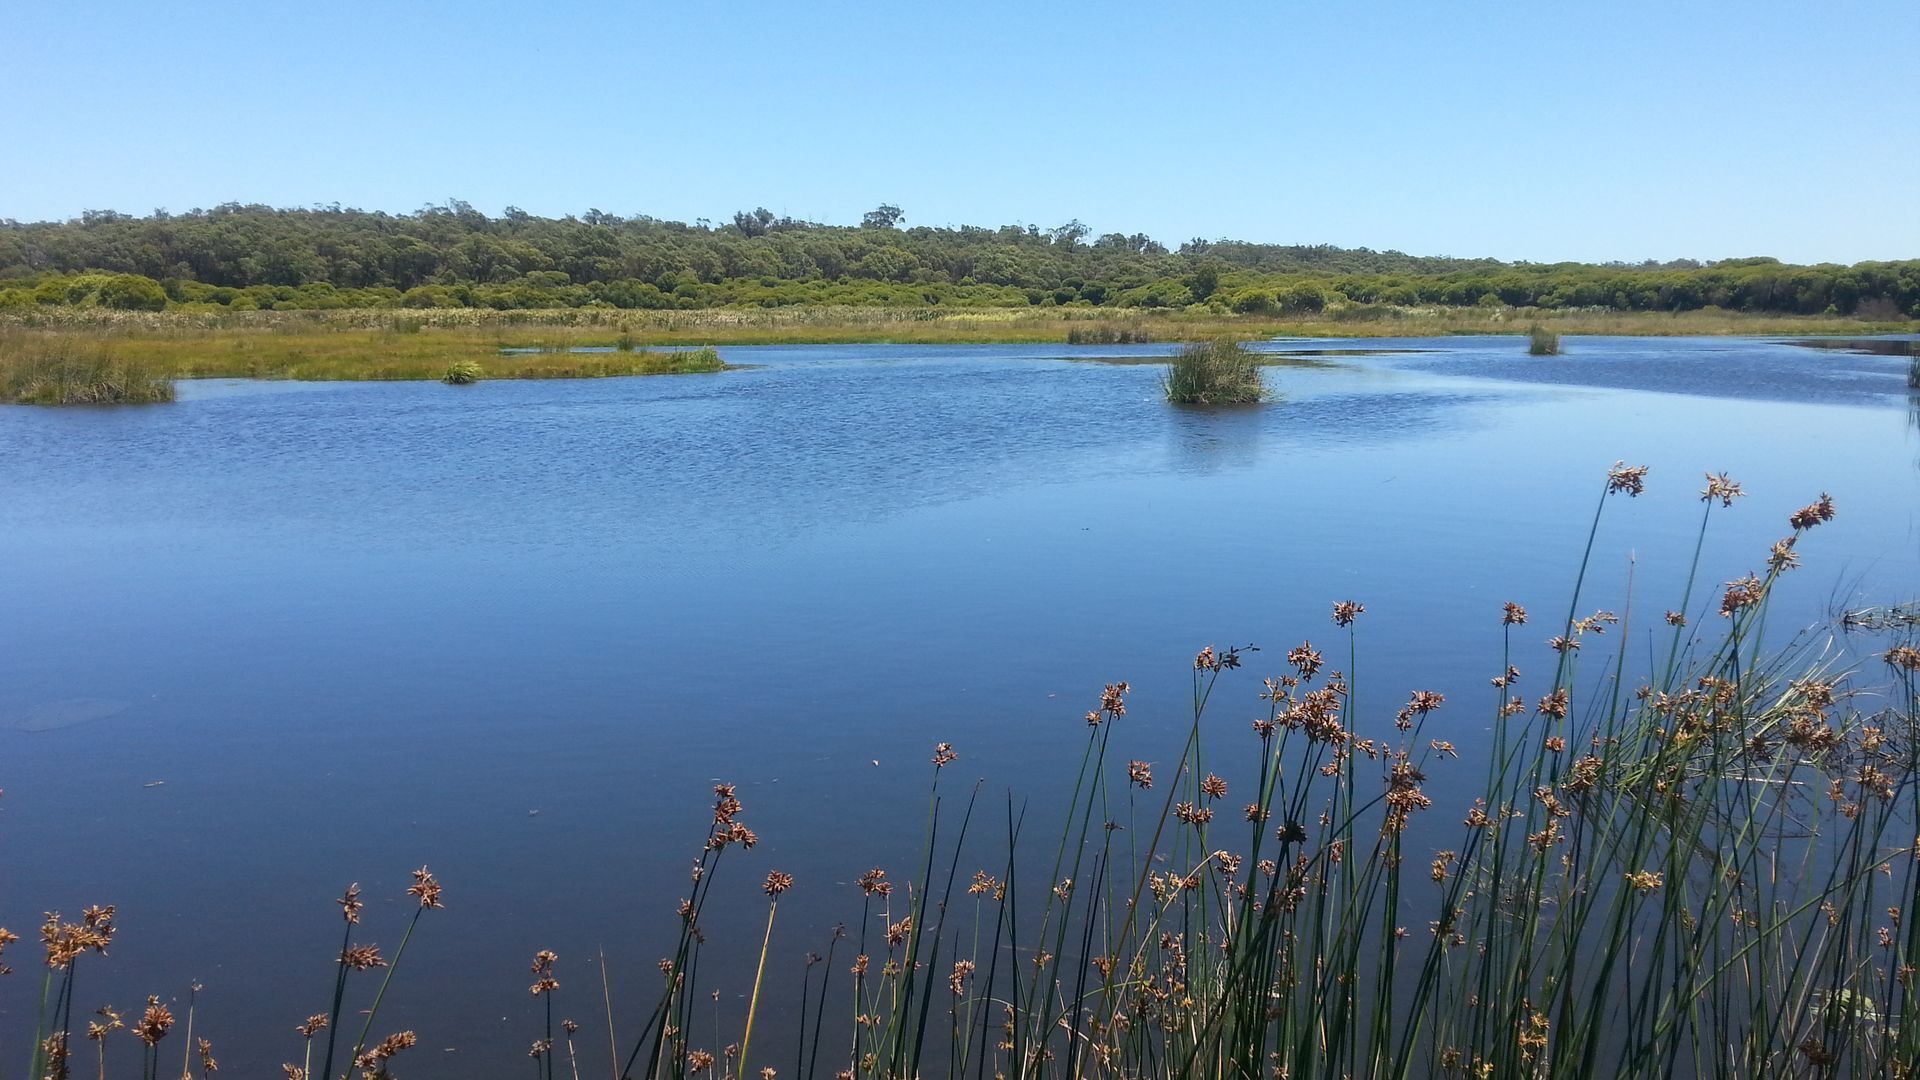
1542 341
1218 372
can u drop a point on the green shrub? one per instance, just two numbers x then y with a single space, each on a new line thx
1222 372
1542 341
131 292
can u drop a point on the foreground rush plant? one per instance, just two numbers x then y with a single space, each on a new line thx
1705 864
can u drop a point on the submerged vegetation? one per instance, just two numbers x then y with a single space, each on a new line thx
1217 372
1696 862
66 369
1542 341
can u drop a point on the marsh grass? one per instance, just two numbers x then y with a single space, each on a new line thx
1542 341
67 369
1698 859
1218 372
406 349
1108 333
212 331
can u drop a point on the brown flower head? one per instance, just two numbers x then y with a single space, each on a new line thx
1305 659
874 883
1721 486
1812 514
1515 614
725 806
314 1025
350 903
426 888
1646 881
1741 594
362 957
154 1023
1630 479
109 1021
943 754
1213 787
386 1049
1140 773
543 962
778 881
1346 611
207 1063
1554 704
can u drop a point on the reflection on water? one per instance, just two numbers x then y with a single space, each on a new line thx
279 637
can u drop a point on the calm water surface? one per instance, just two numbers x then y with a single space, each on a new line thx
279 637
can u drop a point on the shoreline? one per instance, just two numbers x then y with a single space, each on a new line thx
97 350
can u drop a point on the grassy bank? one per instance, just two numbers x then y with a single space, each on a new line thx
119 363
65 369
1697 858
188 333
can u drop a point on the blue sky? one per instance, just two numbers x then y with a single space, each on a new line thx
1535 131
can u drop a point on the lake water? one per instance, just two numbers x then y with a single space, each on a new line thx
277 637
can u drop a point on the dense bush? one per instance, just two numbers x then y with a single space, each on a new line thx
249 257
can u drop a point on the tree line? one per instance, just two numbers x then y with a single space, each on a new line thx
451 255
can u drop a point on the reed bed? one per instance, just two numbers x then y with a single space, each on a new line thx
137 363
1703 863
68 369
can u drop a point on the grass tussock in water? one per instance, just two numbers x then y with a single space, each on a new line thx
1218 372
1542 341
64 369
463 373
1681 855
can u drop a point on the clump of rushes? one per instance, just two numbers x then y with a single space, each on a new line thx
1218 372
1542 341
1703 865
1563 922
426 890
67 370
463 373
